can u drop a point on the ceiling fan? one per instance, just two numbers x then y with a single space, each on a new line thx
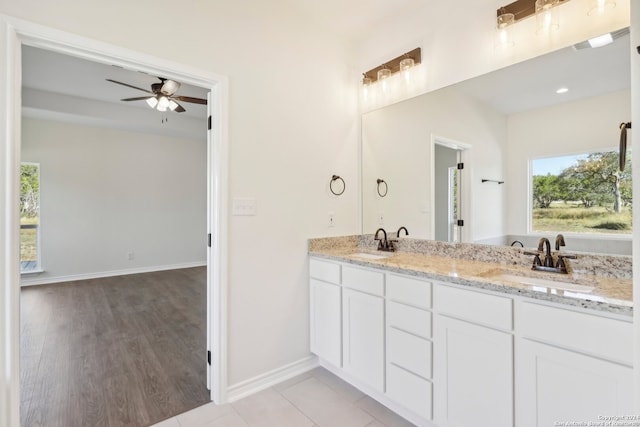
162 95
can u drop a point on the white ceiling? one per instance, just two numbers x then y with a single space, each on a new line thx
62 87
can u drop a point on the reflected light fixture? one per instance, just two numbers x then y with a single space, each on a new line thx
547 15
562 90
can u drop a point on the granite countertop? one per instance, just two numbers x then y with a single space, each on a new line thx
609 294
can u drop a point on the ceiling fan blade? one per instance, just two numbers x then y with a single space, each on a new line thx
190 99
138 98
128 85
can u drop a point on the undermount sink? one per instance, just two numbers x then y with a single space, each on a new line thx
367 255
535 281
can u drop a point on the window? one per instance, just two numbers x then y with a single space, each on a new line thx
29 217
583 193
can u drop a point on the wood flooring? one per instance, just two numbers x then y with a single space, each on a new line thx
118 351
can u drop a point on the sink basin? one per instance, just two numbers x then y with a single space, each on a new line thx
366 255
534 281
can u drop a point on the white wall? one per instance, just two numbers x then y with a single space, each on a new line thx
397 147
105 193
570 128
292 125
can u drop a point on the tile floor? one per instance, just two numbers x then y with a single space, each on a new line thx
314 399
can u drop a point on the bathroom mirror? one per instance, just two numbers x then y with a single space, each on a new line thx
496 123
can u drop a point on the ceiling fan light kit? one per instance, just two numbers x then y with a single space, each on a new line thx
163 95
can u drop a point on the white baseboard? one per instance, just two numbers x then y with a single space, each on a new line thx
33 281
268 379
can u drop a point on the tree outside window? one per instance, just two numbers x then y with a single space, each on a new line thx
586 193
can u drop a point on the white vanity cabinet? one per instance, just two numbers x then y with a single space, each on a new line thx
409 346
363 325
571 367
325 311
473 358
447 355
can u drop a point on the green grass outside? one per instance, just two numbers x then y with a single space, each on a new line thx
29 240
573 218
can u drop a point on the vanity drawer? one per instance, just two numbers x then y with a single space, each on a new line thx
363 280
324 270
410 391
409 290
409 319
477 307
593 334
409 352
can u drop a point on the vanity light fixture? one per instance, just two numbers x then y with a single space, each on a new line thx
383 74
366 86
389 68
546 12
405 68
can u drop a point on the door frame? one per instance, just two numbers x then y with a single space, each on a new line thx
13 34
465 184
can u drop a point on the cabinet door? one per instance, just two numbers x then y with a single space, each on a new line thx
473 375
556 385
363 337
326 334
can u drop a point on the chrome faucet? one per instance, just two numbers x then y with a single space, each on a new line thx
548 259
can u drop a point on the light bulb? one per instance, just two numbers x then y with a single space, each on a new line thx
366 83
383 75
405 68
152 102
547 15
163 103
504 30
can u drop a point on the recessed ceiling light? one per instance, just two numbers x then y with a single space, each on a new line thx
602 40
562 90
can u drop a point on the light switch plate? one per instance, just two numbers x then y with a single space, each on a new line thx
243 207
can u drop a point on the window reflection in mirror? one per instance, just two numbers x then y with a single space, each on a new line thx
581 193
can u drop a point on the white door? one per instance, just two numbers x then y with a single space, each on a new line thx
363 337
556 385
326 316
473 375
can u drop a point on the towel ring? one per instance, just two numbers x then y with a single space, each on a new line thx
335 178
386 187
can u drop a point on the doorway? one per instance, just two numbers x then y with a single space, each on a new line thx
19 33
449 181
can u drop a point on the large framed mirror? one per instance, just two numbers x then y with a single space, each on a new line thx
501 122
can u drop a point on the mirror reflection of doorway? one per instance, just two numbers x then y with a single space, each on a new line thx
446 190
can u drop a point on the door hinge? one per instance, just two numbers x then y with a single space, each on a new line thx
209 123
460 223
209 240
460 165
209 357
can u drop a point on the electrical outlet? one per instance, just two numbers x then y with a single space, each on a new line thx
130 256
332 219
